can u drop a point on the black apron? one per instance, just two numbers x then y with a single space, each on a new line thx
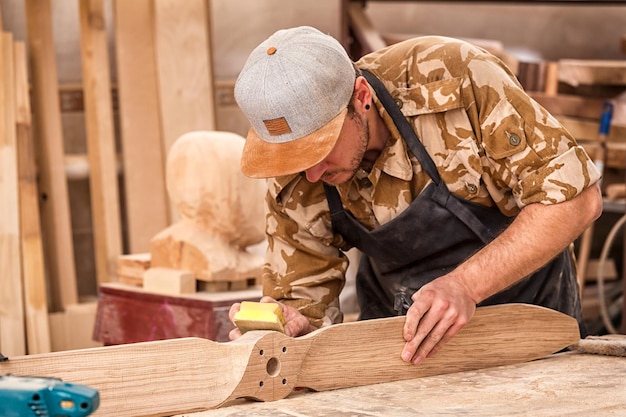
437 232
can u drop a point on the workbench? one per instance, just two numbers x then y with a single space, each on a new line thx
129 314
564 384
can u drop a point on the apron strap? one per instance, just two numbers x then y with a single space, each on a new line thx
403 126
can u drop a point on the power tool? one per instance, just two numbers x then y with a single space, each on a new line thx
25 396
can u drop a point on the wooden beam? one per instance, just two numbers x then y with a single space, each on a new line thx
591 72
184 69
147 204
368 37
181 375
12 338
48 136
100 139
33 267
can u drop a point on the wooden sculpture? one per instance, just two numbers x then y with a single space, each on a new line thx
221 213
182 375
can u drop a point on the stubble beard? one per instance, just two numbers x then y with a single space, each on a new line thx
357 158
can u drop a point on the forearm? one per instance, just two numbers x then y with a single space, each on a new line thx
537 235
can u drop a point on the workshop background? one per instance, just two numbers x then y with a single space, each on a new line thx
107 86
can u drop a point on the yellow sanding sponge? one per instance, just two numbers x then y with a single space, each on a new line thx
259 316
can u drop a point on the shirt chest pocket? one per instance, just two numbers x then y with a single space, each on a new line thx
434 97
442 125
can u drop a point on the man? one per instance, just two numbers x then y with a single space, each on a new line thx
427 156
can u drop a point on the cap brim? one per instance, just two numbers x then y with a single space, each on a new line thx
261 159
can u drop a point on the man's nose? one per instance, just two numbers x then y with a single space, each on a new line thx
314 173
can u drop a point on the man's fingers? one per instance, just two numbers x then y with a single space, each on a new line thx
430 338
234 334
233 310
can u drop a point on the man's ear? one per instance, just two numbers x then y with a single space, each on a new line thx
362 93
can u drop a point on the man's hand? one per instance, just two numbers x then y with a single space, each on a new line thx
440 309
296 324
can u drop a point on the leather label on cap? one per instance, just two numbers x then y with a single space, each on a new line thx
277 127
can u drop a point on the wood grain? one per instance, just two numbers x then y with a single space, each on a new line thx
184 70
103 179
12 340
181 375
33 267
48 136
147 208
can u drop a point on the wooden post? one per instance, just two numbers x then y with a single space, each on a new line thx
33 268
48 136
142 140
11 306
100 139
185 73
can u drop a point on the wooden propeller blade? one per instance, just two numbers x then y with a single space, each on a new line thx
183 375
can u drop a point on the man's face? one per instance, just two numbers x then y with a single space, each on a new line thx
344 160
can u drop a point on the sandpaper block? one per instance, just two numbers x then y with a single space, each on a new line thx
259 316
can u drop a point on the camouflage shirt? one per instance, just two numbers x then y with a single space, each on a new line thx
491 143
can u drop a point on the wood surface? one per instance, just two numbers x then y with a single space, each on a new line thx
103 179
147 204
562 385
33 267
12 340
48 136
181 375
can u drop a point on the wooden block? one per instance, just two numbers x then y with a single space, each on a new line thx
130 268
127 314
169 281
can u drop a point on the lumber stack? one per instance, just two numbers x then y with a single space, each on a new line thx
24 324
584 92
164 88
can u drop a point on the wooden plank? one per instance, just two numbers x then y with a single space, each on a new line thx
100 139
48 135
592 72
147 204
12 336
570 105
184 70
130 268
192 374
33 268
73 328
368 37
